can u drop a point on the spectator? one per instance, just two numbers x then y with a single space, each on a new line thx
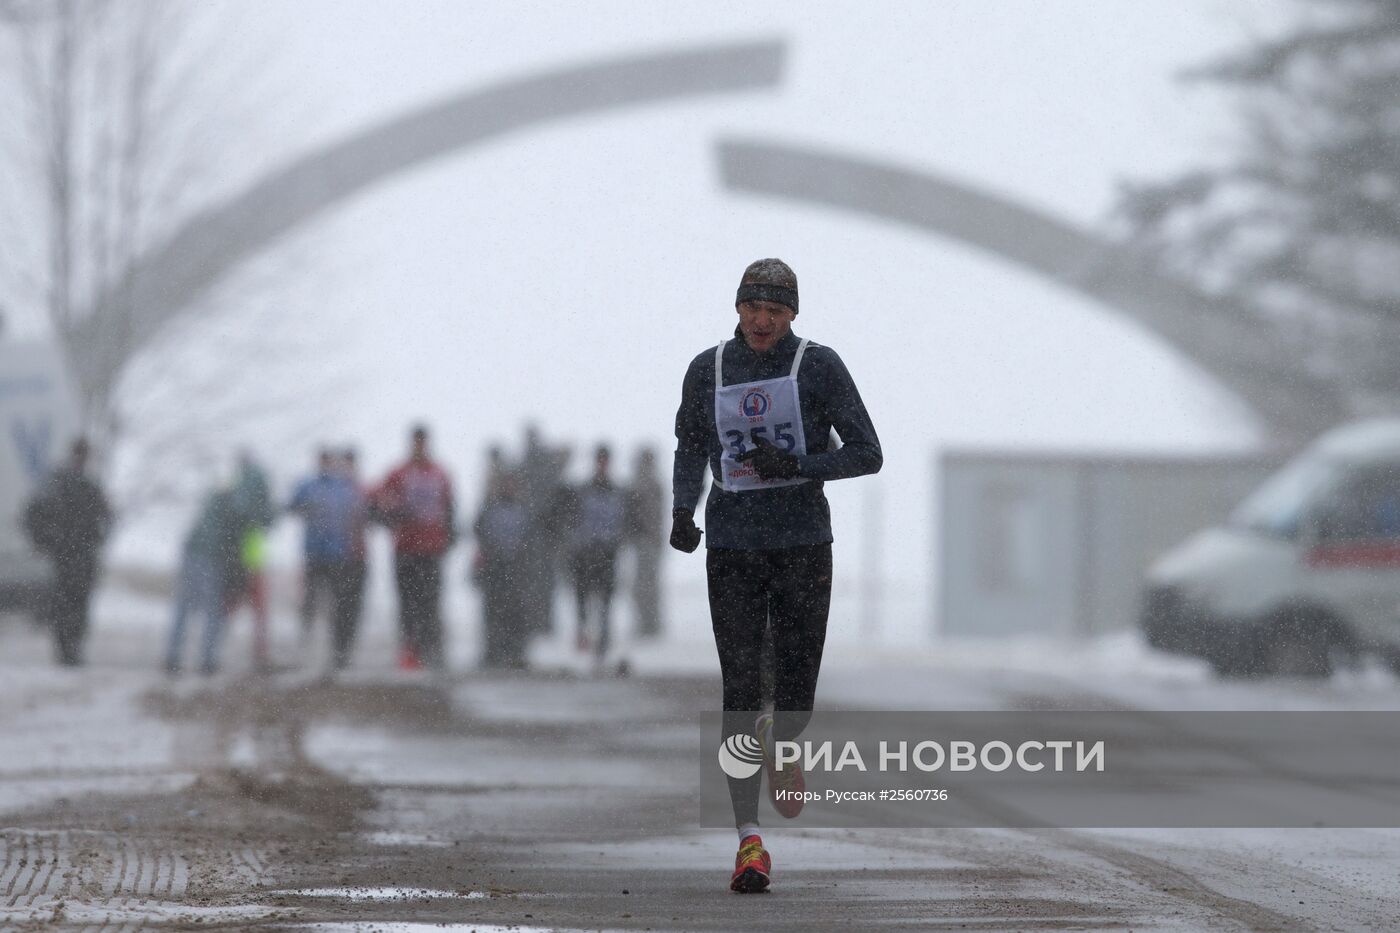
254 500
211 559
501 527
350 606
596 513
415 501
67 520
328 504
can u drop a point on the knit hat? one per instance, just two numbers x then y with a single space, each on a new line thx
768 280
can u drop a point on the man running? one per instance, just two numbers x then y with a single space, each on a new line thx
759 410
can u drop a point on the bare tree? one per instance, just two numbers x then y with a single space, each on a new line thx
113 143
1302 221
123 121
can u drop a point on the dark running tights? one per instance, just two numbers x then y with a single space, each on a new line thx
419 579
783 594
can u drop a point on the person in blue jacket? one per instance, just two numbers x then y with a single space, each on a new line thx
332 508
758 412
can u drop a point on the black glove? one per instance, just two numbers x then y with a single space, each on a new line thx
684 535
769 461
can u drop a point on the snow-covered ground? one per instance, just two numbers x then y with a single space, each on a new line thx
561 801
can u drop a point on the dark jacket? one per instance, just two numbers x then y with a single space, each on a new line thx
785 516
217 536
69 518
591 516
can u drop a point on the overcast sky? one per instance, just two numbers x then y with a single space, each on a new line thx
569 273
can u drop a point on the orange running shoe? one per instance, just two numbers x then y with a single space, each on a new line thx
408 660
785 787
751 867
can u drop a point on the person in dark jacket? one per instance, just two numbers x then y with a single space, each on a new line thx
541 477
67 521
210 565
501 529
758 412
350 603
595 517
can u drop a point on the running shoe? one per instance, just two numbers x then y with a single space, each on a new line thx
752 867
785 787
408 660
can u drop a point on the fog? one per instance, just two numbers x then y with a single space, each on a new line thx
1019 224
566 273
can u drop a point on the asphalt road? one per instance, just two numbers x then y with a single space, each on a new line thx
382 801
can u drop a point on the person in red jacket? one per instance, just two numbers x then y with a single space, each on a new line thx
415 501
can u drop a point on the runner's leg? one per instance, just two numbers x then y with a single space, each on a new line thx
212 598
257 598
798 609
578 566
405 579
738 605
310 586
184 603
606 577
354 604
341 619
430 630
67 609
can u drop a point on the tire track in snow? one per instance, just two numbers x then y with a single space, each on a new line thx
9 864
31 853
127 876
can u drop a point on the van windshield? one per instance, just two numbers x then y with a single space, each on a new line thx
1278 506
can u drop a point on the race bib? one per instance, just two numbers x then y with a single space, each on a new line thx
769 409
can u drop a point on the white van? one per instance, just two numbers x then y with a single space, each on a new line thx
38 420
1304 573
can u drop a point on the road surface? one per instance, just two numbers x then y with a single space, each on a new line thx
556 801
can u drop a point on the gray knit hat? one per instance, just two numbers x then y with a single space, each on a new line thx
768 280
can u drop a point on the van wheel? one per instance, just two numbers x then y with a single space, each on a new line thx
1301 646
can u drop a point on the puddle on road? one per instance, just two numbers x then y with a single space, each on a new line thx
386 894
106 913
542 701
380 926
383 757
414 840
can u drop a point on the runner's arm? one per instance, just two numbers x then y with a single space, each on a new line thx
860 451
693 434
